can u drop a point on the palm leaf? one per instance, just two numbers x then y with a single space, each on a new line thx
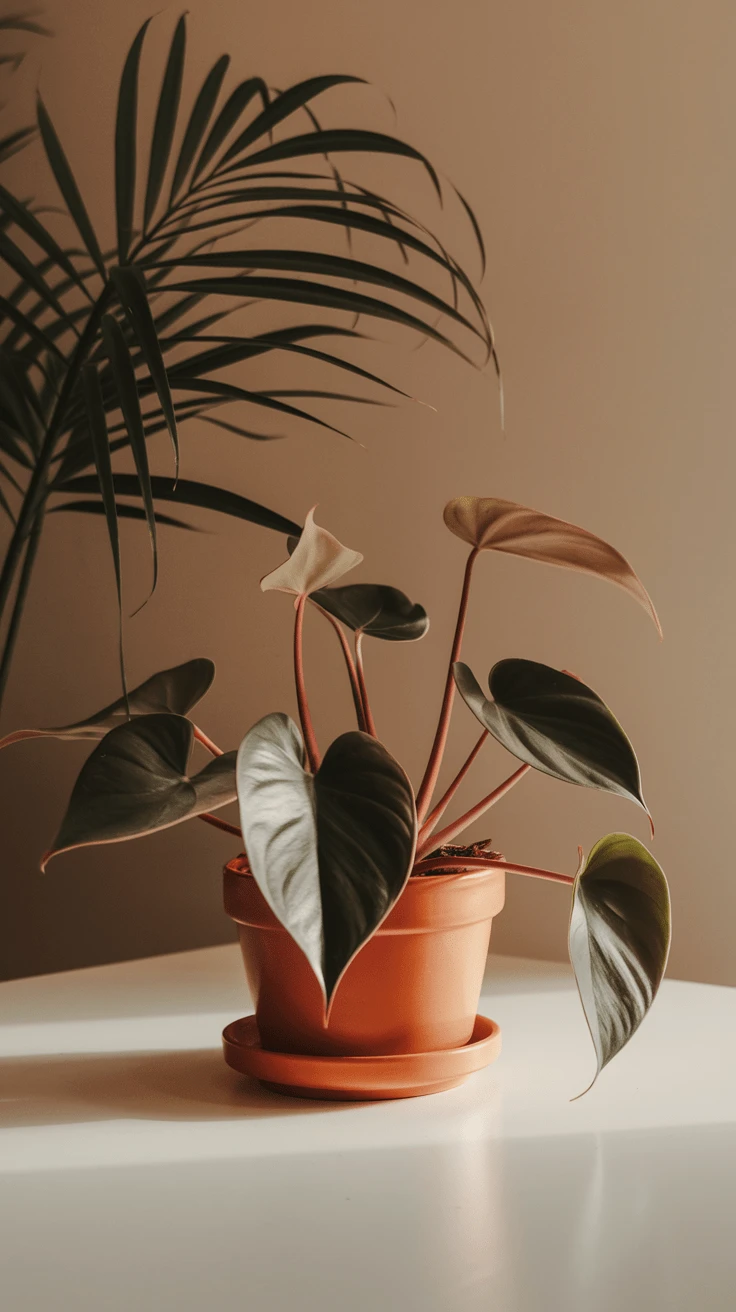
335 140
234 106
190 493
100 446
282 107
130 287
163 131
66 183
125 145
197 125
122 511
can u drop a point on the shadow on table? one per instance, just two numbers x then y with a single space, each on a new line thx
192 1084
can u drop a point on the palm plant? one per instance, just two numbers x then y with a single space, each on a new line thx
103 348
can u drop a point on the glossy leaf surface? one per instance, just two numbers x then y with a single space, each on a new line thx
491 524
176 690
375 609
136 782
556 723
330 852
620 929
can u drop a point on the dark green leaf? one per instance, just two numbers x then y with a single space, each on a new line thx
27 326
300 292
15 258
135 782
66 183
376 610
334 140
619 940
163 130
234 106
209 387
175 690
123 511
130 287
288 102
190 493
126 128
125 382
555 723
33 228
332 852
15 141
101 448
197 125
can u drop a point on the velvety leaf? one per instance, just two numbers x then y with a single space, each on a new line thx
494 525
67 185
189 493
176 690
619 939
556 723
318 560
126 126
163 130
375 609
136 782
130 286
199 118
332 852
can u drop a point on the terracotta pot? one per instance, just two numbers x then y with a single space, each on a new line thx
413 988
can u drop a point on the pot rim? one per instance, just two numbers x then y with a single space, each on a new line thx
232 867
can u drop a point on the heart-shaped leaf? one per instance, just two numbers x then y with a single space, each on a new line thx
619 940
491 524
554 722
376 610
177 689
330 852
135 782
317 560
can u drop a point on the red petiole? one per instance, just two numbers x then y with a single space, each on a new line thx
456 827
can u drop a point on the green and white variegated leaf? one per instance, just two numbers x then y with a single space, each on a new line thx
177 689
330 852
619 940
136 782
556 723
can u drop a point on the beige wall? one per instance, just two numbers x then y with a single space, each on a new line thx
598 143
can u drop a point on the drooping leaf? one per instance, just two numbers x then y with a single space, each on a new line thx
101 447
175 690
123 511
375 609
163 130
130 287
283 105
335 140
318 559
330 852
26 325
12 142
619 940
126 129
18 261
127 392
556 723
491 524
188 492
136 782
198 120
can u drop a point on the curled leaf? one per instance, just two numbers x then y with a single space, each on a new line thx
317 561
556 723
619 940
490 524
330 852
135 782
375 609
177 690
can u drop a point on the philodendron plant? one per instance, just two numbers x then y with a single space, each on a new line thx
331 840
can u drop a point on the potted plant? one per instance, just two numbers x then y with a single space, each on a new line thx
232 199
364 927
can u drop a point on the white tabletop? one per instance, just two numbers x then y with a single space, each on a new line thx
139 1174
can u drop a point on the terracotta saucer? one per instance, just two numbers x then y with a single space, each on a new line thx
359 1079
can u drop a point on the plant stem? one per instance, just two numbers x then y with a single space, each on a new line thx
207 742
369 724
310 741
23 583
427 787
456 827
480 863
349 662
435 815
220 824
